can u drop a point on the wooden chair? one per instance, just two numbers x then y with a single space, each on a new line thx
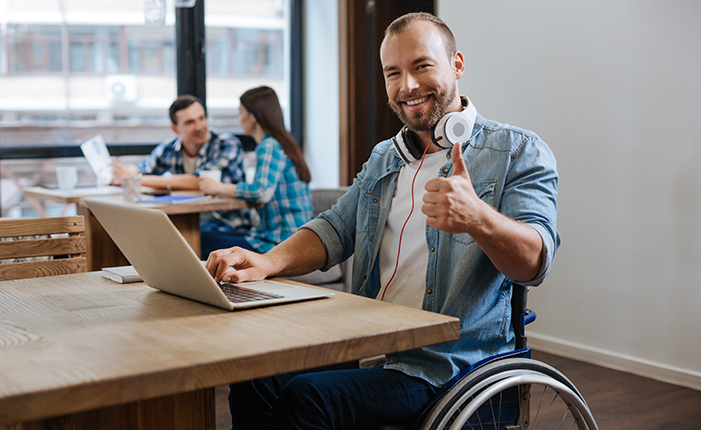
67 254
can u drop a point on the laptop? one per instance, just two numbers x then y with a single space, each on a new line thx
165 261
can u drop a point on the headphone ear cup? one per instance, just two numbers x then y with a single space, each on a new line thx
451 129
414 149
406 147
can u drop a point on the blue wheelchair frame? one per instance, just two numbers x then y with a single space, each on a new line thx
504 380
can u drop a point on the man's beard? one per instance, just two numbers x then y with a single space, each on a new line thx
418 121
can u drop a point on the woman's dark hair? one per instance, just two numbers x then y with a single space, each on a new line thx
263 103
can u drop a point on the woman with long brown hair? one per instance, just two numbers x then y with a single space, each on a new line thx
281 184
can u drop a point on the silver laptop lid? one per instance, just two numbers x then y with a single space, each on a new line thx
158 251
165 261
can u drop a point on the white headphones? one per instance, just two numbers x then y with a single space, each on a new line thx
454 127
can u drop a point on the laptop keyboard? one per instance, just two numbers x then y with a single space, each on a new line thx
237 294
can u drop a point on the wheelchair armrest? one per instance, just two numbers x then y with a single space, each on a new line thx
528 317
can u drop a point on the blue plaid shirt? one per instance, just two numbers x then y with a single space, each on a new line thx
222 151
286 200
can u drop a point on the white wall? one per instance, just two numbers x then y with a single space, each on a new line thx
614 87
321 116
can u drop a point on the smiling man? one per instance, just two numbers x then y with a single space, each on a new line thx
176 162
487 220
421 75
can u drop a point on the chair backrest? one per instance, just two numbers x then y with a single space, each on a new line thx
33 241
338 277
324 198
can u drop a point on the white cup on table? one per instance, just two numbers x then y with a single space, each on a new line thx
67 177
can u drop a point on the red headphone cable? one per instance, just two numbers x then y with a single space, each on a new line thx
399 246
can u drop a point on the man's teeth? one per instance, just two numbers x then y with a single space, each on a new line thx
415 102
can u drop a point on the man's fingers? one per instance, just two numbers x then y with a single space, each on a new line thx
459 166
433 185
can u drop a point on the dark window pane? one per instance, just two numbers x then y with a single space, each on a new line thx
269 66
150 58
239 59
77 55
37 56
55 56
112 65
80 30
168 57
257 52
19 57
134 53
53 31
94 57
218 57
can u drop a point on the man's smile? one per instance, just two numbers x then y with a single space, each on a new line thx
417 101
415 104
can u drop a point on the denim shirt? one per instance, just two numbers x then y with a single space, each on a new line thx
511 169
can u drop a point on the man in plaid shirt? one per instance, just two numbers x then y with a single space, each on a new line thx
176 162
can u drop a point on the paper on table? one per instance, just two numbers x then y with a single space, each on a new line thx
99 159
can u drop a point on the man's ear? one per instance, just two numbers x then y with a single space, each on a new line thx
458 64
174 128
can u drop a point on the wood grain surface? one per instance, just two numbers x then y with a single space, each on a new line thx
81 342
31 238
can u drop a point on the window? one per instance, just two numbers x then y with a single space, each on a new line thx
245 52
69 66
72 70
34 48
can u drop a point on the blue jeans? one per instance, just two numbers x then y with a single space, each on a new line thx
335 397
212 239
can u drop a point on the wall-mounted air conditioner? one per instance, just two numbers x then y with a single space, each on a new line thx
121 88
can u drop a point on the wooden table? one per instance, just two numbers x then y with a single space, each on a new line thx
74 195
101 250
126 356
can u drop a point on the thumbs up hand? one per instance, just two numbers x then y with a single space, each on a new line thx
451 204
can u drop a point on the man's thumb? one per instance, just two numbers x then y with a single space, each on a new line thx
459 166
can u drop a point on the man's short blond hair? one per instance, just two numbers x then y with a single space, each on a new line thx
401 24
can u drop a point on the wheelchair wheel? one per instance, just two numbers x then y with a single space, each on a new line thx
511 394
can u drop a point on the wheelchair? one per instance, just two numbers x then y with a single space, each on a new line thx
509 392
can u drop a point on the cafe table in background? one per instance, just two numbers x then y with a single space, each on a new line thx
101 250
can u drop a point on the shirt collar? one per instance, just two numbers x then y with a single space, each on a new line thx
470 113
178 145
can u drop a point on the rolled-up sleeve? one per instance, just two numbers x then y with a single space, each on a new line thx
530 196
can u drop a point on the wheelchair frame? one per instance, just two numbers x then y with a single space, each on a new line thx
498 393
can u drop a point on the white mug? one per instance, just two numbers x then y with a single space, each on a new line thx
67 177
211 174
